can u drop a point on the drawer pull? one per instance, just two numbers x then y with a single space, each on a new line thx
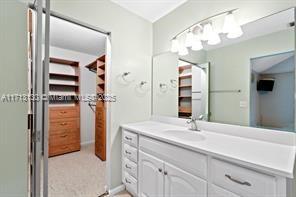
129 153
127 166
237 181
63 124
128 138
127 181
63 136
63 112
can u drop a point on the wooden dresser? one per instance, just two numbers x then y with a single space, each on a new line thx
64 109
64 130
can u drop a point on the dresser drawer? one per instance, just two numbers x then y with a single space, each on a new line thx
64 138
63 112
61 149
130 153
130 167
130 183
130 138
187 160
63 124
242 181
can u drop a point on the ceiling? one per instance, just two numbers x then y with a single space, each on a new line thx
264 26
269 64
66 35
151 10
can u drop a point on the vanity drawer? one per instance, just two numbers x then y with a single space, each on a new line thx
130 167
242 181
185 159
130 183
130 153
130 138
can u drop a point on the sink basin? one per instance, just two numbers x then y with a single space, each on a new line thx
187 135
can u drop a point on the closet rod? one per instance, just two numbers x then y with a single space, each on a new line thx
71 20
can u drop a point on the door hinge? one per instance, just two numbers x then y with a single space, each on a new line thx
36 136
30 122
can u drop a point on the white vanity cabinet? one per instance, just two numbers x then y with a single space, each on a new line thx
152 167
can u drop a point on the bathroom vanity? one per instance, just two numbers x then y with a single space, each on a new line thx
165 159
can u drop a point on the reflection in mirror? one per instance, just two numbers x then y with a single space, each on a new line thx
248 80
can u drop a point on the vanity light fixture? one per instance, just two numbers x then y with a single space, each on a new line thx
193 38
175 45
231 27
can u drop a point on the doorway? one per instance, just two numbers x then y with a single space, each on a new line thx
75 154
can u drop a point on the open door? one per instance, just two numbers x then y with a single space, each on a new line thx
38 113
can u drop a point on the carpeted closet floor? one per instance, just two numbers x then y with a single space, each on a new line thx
78 174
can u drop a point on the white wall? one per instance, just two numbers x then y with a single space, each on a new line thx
131 38
195 10
13 116
87 86
165 100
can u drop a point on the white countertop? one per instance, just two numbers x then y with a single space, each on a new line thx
264 156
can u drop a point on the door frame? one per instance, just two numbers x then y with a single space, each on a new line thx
107 92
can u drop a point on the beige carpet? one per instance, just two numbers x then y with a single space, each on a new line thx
78 174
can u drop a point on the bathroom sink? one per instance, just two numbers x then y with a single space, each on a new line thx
187 135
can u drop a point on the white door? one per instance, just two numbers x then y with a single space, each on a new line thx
150 176
180 183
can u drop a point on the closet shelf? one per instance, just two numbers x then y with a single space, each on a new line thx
67 85
185 86
185 76
184 96
185 67
98 63
62 75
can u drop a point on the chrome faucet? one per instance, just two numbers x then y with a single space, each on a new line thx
193 123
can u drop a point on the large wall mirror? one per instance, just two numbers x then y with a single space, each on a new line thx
248 80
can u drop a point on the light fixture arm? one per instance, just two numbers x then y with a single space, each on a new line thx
204 20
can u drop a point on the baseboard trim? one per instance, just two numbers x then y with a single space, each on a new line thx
116 190
87 143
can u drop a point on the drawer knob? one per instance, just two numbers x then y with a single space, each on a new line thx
165 173
129 153
238 181
127 166
128 138
127 181
159 170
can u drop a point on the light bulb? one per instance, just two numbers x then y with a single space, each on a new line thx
231 27
214 38
175 45
196 45
189 39
207 31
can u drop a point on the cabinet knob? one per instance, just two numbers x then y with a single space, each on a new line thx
127 166
127 181
128 152
159 170
165 173
128 138
238 181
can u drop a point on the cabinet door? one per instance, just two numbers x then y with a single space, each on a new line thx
216 191
180 183
150 176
